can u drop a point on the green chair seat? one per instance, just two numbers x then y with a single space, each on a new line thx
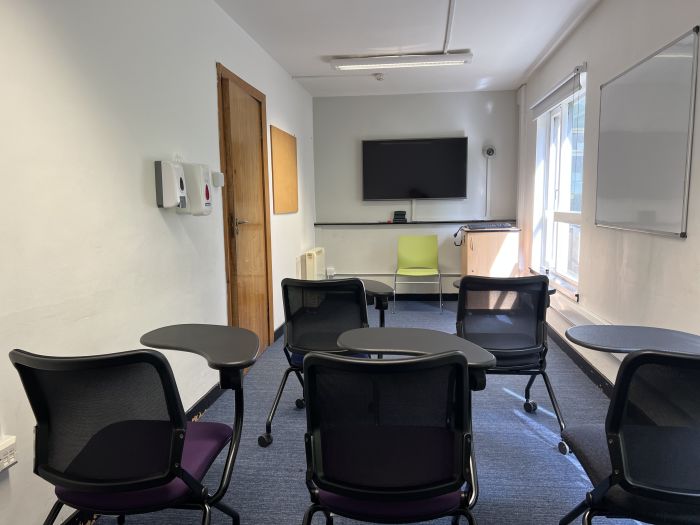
417 256
417 272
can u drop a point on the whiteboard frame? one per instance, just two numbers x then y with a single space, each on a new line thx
689 154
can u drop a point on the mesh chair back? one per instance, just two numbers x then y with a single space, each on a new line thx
653 425
417 251
503 313
317 312
387 429
112 422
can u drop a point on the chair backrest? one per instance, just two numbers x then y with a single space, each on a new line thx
104 423
387 429
417 251
317 312
653 425
503 313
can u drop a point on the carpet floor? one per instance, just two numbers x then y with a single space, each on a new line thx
523 479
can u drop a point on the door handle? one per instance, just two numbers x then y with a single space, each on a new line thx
236 222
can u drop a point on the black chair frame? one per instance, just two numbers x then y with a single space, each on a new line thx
591 506
314 472
201 499
265 439
510 284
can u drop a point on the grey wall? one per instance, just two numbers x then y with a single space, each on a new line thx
341 123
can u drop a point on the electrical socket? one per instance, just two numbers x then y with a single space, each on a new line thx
330 272
8 455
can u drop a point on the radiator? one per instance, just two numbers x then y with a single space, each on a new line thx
311 265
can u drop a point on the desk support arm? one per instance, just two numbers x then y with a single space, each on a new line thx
233 447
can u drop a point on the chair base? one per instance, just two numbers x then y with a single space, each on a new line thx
121 518
265 440
315 507
438 282
529 405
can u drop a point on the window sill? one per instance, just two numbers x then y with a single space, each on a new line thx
561 285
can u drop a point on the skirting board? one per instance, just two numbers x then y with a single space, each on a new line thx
598 379
425 297
279 332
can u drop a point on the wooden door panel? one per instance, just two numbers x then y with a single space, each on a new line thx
247 210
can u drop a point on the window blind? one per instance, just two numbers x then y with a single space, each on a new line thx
570 85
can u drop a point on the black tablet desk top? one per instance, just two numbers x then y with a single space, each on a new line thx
379 293
455 283
419 341
227 349
413 341
626 339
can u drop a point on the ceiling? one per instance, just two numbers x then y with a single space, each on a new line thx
507 38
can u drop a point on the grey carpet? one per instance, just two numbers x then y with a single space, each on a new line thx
523 478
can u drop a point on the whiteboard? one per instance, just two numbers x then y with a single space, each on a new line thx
645 142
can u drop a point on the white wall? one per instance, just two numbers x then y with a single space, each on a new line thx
91 94
340 125
625 277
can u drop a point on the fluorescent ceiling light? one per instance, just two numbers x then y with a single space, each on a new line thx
397 61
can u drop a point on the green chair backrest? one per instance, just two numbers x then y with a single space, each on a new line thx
418 251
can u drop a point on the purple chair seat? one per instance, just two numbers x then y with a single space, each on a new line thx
391 512
203 442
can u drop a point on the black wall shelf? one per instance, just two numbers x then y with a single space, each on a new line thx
407 223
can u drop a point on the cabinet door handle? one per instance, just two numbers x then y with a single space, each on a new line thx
471 243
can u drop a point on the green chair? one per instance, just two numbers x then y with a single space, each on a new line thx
418 257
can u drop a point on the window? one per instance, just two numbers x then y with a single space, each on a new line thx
558 187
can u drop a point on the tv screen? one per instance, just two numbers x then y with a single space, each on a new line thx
414 169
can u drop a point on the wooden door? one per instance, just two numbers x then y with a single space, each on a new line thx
246 206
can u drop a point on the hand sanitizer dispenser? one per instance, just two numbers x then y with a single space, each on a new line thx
199 189
171 188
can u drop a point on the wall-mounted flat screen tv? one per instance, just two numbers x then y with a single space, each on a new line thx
414 169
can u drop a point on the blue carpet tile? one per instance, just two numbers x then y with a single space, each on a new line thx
523 479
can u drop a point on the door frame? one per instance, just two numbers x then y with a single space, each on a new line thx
221 74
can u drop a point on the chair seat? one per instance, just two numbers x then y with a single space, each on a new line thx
507 342
530 358
417 272
317 341
589 444
203 443
390 512
512 351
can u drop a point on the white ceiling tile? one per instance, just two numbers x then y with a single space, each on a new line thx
506 37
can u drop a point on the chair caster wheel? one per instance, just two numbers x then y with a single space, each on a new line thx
300 403
265 440
563 448
530 407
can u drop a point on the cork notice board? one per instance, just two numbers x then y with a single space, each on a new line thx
284 171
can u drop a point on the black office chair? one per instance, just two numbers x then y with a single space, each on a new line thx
507 317
315 313
112 437
645 464
389 441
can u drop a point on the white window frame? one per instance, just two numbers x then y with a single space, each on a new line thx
551 188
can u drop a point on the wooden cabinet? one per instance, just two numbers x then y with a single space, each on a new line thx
490 253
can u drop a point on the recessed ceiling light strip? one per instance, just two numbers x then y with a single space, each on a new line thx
400 61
